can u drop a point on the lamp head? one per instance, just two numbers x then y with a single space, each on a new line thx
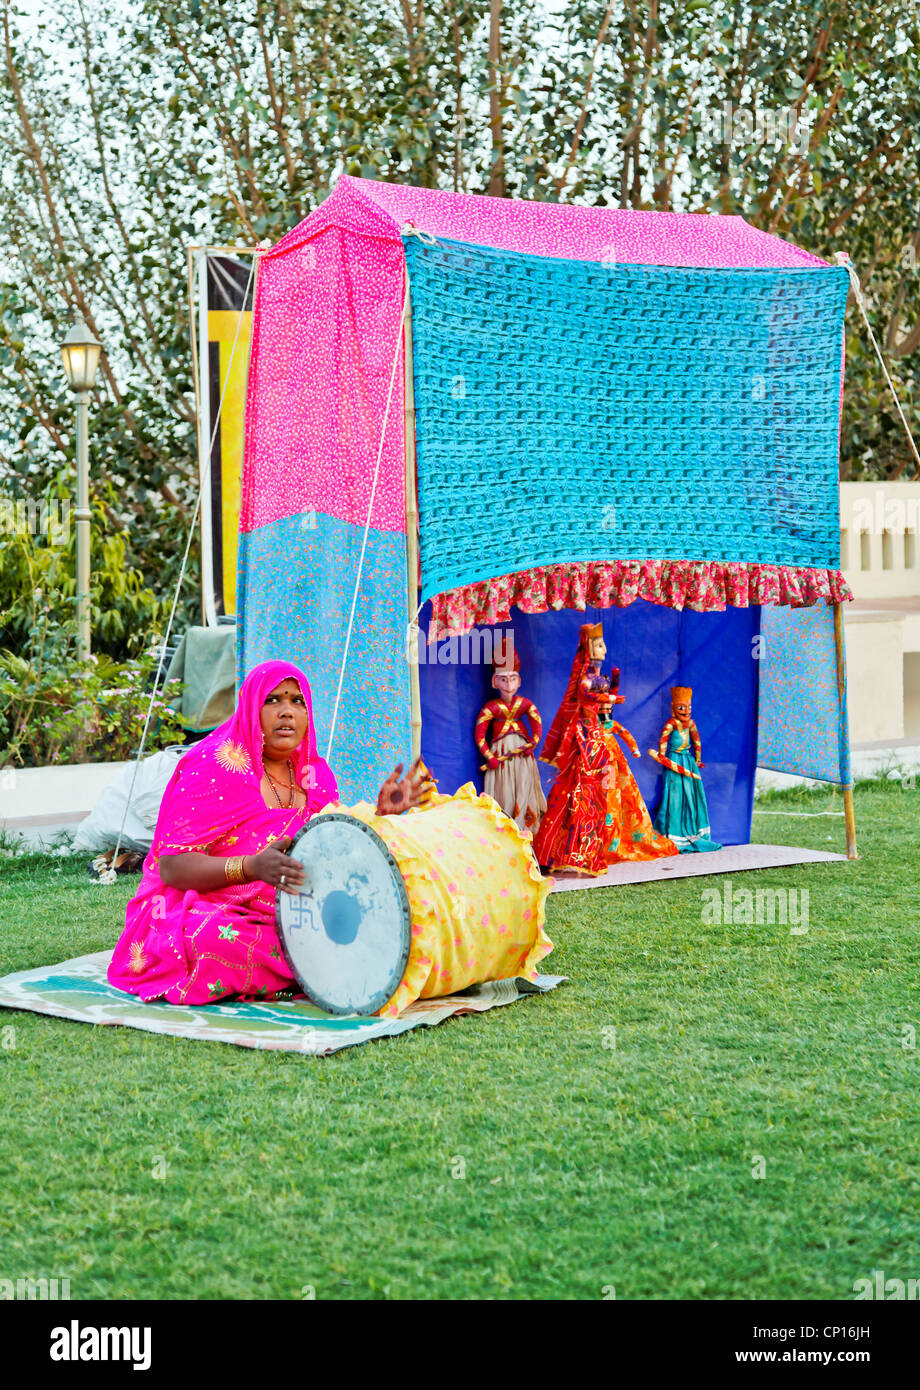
80 352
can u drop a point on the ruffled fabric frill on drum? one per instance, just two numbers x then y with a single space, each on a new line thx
476 894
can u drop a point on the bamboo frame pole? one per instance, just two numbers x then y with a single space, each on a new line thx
848 807
415 699
225 250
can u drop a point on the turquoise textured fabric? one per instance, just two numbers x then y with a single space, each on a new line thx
570 410
801 726
295 584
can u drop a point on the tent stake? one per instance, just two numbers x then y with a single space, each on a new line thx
415 722
848 808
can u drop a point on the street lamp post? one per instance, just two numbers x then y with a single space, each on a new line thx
81 353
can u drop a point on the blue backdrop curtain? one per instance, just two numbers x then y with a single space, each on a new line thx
803 729
295 586
655 648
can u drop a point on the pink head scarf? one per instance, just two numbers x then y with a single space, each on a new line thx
217 785
213 804
244 729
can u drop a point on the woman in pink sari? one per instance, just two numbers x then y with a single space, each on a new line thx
201 927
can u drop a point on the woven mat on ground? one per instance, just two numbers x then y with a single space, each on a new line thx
78 989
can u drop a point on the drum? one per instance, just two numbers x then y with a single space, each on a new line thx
346 934
398 908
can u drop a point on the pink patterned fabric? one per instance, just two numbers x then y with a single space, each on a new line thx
326 327
192 948
368 208
705 587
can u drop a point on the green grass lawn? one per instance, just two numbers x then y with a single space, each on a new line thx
586 1165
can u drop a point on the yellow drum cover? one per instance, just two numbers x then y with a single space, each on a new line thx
477 897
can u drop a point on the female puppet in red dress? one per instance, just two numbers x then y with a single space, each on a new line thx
596 815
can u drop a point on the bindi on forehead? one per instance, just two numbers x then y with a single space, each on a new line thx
287 687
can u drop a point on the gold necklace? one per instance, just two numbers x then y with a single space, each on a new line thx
274 787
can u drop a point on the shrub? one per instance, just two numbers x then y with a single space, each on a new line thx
38 573
74 712
55 707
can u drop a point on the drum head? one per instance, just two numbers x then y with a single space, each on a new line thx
346 934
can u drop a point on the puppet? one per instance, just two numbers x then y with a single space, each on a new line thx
508 729
596 815
683 814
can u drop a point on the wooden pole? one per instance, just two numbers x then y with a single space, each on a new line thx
415 699
83 517
848 808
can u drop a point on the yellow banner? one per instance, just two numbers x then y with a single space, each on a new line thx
227 454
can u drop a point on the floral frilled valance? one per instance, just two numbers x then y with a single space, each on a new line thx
703 586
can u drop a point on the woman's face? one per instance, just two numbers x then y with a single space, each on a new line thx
597 648
284 720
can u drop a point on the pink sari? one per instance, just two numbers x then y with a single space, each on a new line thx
193 948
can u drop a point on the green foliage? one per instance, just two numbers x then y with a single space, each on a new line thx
64 710
53 707
38 576
131 129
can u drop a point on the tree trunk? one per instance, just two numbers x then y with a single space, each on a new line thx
497 180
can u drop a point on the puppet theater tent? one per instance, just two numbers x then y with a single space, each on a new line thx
609 415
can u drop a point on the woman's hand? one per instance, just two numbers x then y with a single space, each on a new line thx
276 868
398 793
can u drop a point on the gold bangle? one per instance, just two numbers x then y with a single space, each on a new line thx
233 870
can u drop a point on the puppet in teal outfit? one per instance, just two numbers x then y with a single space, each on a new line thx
683 814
